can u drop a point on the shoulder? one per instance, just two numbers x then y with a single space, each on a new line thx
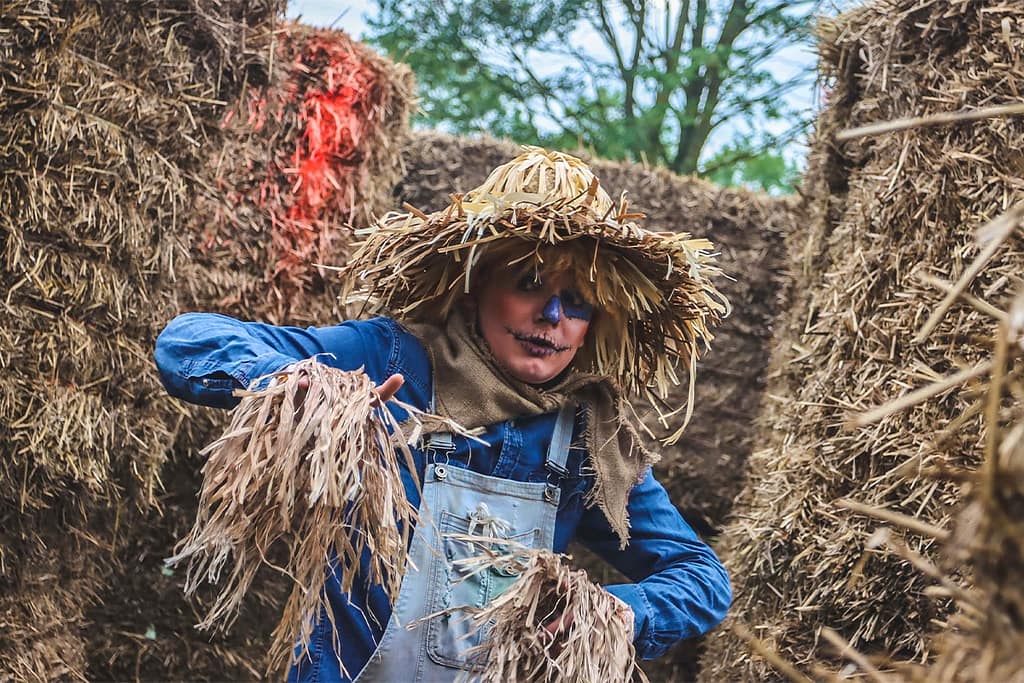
398 349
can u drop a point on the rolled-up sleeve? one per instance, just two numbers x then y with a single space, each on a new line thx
681 588
203 357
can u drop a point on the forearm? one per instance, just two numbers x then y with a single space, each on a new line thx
203 357
680 602
681 589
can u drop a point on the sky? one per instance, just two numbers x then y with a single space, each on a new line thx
350 16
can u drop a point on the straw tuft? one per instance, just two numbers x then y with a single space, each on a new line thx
315 469
596 646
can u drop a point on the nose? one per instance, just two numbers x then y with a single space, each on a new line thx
552 310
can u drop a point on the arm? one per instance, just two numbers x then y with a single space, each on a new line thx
681 590
203 357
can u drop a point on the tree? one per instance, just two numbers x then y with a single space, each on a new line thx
650 81
741 163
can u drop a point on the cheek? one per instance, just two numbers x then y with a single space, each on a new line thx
576 331
505 310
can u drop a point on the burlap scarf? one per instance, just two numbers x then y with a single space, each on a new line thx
472 389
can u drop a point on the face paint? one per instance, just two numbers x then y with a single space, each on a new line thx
568 302
574 305
553 310
515 314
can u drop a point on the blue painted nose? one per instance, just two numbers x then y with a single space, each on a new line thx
553 310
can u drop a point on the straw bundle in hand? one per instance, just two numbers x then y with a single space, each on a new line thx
307 462
595 645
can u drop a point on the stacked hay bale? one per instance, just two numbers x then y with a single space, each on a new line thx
985 643
315 150
120 149
299 155
893 226
102 110
704 471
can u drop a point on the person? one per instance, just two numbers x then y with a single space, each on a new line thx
530 311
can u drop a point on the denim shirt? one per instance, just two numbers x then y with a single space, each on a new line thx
681 589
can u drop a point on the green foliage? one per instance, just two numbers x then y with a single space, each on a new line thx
632 79
755 167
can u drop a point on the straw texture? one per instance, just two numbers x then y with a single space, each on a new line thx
130 183
597 645
893 300
985 641
227 261
102 121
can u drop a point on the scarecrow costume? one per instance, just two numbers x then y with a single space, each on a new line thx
544 464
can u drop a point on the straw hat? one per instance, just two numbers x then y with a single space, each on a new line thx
654 299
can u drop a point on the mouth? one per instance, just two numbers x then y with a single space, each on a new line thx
538 344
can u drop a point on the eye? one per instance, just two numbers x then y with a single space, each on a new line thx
529 283
573 297
574 305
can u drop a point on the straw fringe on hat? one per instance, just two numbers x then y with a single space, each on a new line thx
653 292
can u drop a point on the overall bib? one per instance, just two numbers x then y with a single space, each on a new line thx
460 501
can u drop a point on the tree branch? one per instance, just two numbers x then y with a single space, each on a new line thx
610 39
752 153
639 22
692 141
545 91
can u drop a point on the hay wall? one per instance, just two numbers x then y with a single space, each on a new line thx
332 108
892 215
125 129
101 110
704 471
988 537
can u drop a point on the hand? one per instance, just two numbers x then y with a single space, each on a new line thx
624 611
550 633
387 390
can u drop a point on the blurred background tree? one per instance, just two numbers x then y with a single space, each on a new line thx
647 81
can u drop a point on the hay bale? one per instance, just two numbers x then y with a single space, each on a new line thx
984 643
304 157
893 223
104 111
142 626
705 470
224 260
227 258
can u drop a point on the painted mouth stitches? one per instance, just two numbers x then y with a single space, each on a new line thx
538 340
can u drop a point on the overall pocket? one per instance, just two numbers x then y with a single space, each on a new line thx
455 586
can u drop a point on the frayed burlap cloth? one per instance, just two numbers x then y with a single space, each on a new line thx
474 391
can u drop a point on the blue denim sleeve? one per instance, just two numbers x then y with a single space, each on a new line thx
203 357
681 590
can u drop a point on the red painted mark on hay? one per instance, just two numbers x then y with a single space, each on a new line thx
329 91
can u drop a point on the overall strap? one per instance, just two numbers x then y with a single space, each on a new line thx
558 449
439 442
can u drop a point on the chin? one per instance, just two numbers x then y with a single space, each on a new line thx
534 375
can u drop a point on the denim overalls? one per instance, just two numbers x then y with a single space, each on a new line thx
677 588
461 501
